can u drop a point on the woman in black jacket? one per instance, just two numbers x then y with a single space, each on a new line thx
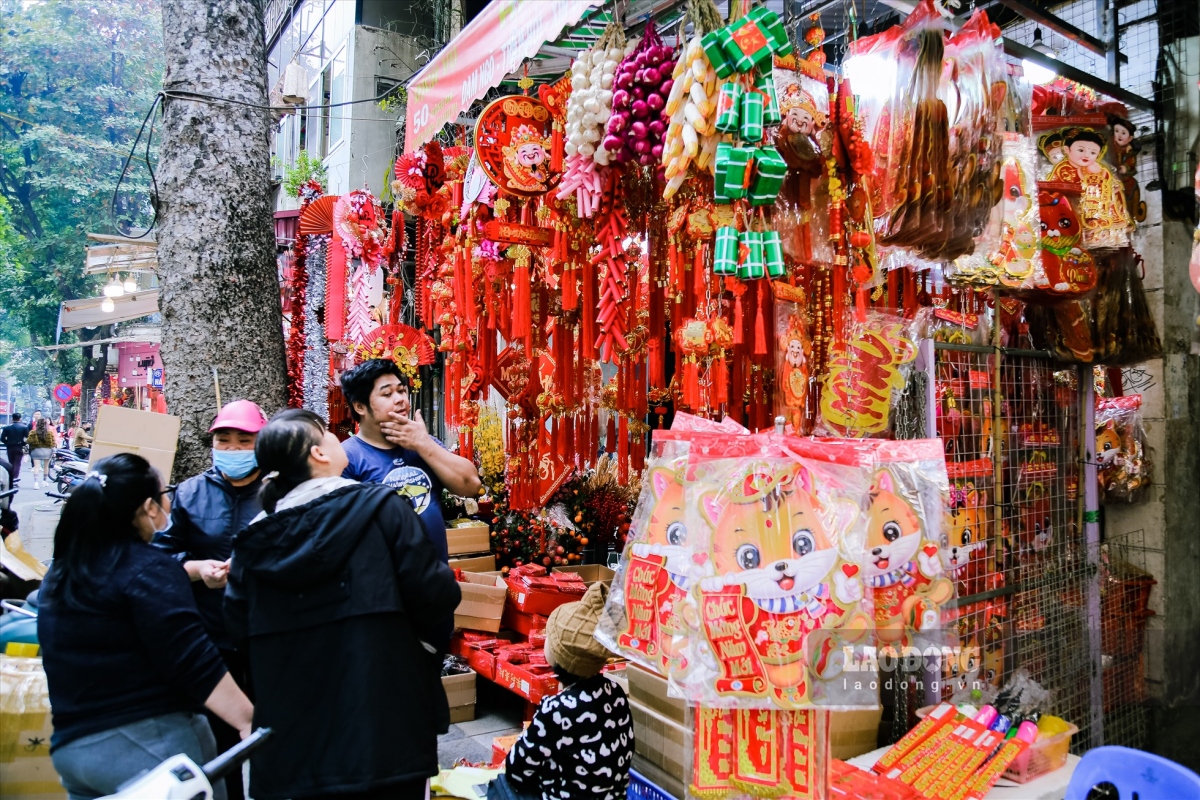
343 606
127 659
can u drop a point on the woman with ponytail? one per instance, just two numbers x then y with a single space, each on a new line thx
344 609
129 666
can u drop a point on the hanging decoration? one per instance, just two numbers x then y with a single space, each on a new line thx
512 142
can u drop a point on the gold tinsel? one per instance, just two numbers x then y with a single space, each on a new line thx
489 450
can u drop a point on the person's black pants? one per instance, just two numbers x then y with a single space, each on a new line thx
15 456
226 735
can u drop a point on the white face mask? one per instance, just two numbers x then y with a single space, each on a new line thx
157 530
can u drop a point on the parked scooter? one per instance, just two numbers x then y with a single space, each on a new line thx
179 778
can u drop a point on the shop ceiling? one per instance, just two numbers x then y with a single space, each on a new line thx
872 16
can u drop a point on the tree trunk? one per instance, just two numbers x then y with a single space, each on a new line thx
216 246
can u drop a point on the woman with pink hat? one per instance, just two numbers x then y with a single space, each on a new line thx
208 510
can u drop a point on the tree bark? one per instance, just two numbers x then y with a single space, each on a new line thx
216 247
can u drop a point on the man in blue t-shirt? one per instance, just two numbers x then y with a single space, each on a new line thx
395 450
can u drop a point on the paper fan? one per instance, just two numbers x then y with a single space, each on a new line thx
405 345
317 217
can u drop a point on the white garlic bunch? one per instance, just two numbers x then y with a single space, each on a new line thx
590 103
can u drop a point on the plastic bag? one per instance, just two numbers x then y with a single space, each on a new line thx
1074 160
801 212
780 533
1124 471
1125 329
792 350
642 619
867 371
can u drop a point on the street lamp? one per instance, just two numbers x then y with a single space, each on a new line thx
130 284
108 306
1036 73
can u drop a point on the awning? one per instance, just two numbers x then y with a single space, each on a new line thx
87 313
495 43
149 336
120 254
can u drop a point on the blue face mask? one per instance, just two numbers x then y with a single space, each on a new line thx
235 464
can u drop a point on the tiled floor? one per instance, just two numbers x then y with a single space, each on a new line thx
498 712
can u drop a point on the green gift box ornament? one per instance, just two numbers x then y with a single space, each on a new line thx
765 83
770 171
754 39
721 173
773 254
729 107
752 267
752 116
739 172
725 251
714 48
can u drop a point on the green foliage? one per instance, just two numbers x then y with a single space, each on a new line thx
307 168
76 79
394 101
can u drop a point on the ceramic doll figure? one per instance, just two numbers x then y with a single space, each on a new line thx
1125 154
1102 210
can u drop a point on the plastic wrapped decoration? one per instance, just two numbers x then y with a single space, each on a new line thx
792 351
759 753
1125 155
1124 470
908 127
784 599
643 620
967 529
1125 329
1074 161
1068 267
867 370
800 210
1014 224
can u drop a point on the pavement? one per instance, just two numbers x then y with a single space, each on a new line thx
498 711
37 515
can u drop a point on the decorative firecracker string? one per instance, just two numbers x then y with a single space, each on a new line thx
316 356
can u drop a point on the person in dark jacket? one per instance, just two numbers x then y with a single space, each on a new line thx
579 743
128 662
209 509
343 605
13 438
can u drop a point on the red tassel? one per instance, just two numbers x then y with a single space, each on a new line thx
738 318
556 149
570 289
720 382
623 451
691 383
520 310
760 325
699 275
610 444
860 305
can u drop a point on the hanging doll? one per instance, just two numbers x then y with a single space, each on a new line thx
791 356
804 107
1076 154
1125 154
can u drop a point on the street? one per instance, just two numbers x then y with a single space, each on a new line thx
38 515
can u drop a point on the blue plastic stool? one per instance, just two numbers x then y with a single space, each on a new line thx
1135 774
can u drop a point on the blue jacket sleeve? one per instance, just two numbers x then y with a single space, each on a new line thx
176 540
168 624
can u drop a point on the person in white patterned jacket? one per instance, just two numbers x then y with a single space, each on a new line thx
579 743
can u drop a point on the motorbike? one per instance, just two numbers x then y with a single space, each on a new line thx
67 473
180 778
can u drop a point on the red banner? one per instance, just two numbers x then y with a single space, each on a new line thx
493 45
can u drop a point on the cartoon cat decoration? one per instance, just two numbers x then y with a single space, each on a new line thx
783 599
903 567
658 578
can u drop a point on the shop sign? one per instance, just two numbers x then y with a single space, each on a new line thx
493 45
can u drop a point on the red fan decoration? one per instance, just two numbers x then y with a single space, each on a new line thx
317 217
407 346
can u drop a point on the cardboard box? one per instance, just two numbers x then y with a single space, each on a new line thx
650 689
524 624
591 573
536 601
664 743
852 733
460 694
154 437
482 603
670 784
26 772
485 562
533 686
468 536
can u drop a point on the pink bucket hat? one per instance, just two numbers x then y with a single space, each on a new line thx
240 415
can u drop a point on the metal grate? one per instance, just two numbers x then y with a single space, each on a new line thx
1016 521
1127 585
